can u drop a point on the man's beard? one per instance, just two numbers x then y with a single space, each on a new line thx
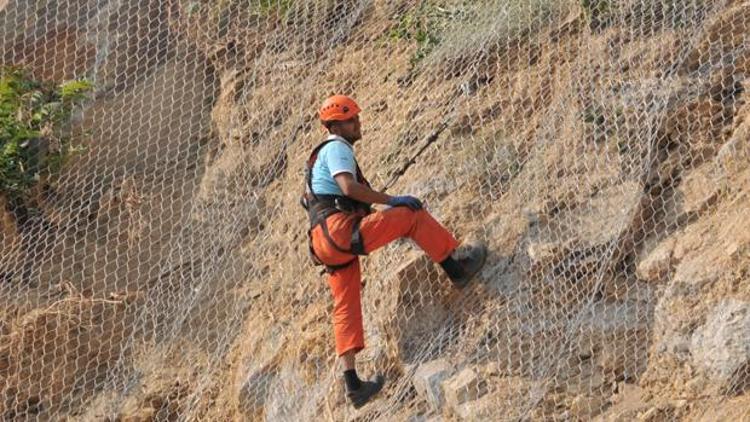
352 139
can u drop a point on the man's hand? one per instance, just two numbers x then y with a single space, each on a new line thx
362 193
406 201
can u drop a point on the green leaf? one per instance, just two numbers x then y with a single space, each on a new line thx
28 107
75 90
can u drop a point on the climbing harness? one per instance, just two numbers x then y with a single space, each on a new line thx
320 207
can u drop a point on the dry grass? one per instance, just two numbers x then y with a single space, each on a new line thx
56 357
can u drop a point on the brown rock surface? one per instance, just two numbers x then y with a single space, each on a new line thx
605 165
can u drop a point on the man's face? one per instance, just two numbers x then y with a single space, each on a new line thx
351 129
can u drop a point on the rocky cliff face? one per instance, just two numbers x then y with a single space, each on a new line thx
604 159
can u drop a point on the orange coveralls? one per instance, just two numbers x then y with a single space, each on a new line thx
377 230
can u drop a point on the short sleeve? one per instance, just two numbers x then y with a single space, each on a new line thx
340 159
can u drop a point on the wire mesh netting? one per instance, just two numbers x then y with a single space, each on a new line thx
154 259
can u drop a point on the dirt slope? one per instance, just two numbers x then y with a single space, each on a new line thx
607 168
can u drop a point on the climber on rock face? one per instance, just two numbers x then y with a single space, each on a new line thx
343 225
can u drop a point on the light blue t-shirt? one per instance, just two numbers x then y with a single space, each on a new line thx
335 158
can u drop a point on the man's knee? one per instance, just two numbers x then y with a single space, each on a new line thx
417 216
407 214
403 220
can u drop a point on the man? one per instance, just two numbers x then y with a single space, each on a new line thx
344 226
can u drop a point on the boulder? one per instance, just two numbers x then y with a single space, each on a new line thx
413 304
428 380
463 387
721 347
290 397
699 189
735 153
656 264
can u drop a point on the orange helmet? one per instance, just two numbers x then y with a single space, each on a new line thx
338 107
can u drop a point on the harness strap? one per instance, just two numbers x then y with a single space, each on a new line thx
357 246
324 226
330 269
320 207
358 243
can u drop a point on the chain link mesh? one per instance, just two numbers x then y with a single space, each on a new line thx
599 147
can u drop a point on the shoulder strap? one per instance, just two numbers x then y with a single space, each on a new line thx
308 194
361 177
311 162
316 151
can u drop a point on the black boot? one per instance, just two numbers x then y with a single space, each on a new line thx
365 392
470 258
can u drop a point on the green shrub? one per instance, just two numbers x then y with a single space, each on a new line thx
34 134
421 25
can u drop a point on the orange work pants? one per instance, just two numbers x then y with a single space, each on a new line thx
377 230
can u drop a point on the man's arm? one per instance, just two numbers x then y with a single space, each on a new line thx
342 165
358 191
